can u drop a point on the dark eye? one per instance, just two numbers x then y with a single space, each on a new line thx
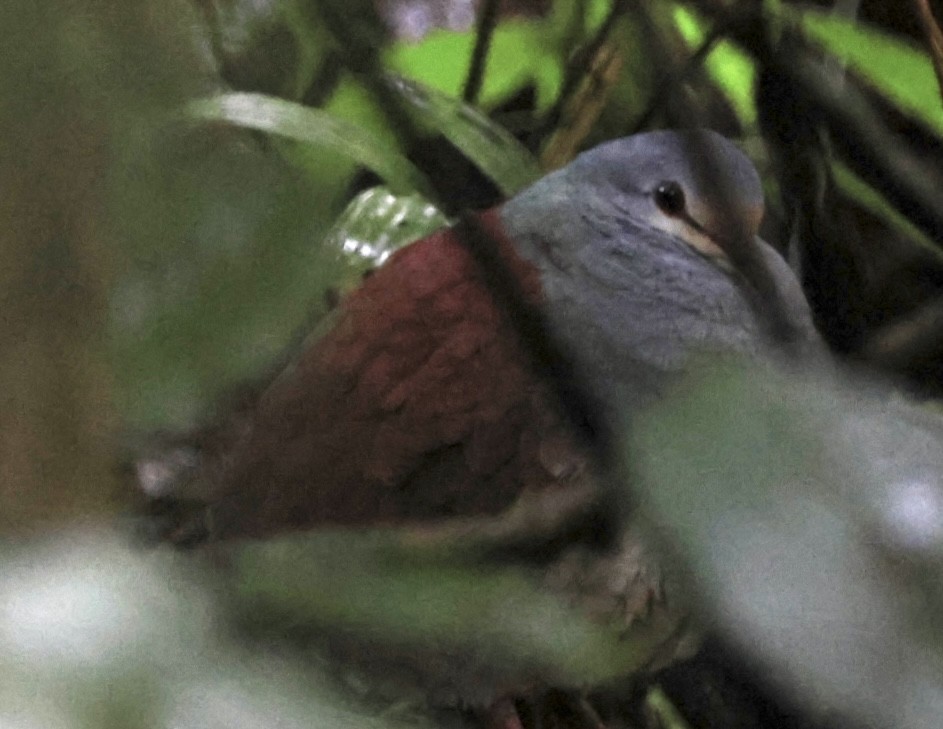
669 197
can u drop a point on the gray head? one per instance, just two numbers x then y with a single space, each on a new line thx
693 185
648 251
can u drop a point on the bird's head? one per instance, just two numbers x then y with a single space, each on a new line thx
694 186
648 251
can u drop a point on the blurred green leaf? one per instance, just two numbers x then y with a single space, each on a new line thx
94 634
811 527
899 69
491 147
668 715
76 81
352 102
310 126
494 618
224 264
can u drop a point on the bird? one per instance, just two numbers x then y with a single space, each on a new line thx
424 401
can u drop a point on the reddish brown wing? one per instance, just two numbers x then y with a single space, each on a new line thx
419 403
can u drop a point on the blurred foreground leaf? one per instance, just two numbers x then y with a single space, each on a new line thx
94 634
484 626
224 265
810 516
75 79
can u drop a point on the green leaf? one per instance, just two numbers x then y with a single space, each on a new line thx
810 527
660 705
141 645
311 127
224 266
899 69
870 199
496 152
733 69
494 617
518 55
376 223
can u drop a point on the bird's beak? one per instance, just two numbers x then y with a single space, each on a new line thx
738 251
712 232
721 224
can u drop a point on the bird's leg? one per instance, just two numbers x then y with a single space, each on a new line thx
503 714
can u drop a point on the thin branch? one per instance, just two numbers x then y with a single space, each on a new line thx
667 87
581 409
856 131
487 20
575 72
909 338
360 57
532 327
872 151
584 108
934 36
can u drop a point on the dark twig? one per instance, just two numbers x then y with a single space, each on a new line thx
762 292
910 338
324 81
531 326
487 19
583 109
667 86
575 71
873 153
583 412
359 55
934 36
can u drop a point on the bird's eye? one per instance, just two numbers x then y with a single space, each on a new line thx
669 197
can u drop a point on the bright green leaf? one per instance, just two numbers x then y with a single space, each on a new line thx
898 68
730 67
518 55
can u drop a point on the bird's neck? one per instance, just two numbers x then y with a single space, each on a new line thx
628 304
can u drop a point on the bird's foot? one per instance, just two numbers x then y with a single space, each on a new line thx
179 522
543 709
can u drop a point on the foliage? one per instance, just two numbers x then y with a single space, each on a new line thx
210 176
